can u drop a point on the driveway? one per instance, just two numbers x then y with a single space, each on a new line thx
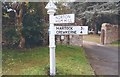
103 59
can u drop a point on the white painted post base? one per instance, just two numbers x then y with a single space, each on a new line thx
52 46
52 61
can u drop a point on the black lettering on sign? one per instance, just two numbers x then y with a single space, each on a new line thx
81 28
61 20
57 17
68 28
81 32
61 17
68 16
73 32
57 28
64 28
65 20
61 27
71 28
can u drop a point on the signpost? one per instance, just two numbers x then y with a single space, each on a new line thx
51 10
71 30
60 30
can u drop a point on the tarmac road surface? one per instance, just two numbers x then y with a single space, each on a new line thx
103 59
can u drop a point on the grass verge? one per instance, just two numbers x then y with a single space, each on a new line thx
92 38
116 44
70 60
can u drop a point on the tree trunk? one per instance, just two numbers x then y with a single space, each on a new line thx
19 29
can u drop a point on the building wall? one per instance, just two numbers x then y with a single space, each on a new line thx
110 33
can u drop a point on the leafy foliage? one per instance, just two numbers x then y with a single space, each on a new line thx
33 29
11 37
33 25
97 13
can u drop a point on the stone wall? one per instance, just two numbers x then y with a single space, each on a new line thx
109 33
76 40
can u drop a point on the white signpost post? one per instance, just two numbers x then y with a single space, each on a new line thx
51 10
60 30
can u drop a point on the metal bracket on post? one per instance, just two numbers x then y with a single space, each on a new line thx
51 10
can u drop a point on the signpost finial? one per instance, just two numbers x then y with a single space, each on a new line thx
51 5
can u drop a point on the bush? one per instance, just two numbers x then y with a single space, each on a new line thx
10 37
33 30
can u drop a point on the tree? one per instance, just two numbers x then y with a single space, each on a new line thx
63 8
97 13
20 8
35 29
30 21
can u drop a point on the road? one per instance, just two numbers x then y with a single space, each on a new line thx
103 59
